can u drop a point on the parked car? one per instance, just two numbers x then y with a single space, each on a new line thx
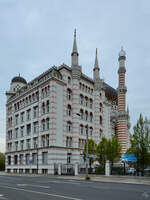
131 170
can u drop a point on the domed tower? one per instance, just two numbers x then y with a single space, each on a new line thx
122 128
16 83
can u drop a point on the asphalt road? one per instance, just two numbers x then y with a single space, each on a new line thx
43 188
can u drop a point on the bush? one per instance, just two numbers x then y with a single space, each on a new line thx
2 161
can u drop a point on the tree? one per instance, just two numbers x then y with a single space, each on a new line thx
113 151
140 144
2 161
102 151
91 150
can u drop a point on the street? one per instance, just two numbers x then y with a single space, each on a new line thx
47 187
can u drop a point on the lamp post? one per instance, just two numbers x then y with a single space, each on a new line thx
37 158
87 176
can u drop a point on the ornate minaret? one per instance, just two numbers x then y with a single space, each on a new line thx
122 129
76 74
97 99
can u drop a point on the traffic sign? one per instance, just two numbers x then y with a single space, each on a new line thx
128 158
92 156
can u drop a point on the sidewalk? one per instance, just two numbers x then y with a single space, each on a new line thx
100 178
114 179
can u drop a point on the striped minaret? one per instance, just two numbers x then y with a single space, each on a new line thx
122 114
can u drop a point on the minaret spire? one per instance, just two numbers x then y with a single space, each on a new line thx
96 61
96 68
74 53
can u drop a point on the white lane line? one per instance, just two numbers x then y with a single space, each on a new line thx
42 193
2 196
41 186
74 183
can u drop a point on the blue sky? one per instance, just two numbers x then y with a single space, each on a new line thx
36 34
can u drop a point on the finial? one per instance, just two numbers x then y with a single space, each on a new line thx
96 51
122 53
75 33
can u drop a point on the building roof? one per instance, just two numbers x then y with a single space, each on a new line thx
110 92
19 79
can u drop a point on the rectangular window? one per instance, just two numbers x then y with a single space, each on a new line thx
29 114
27 159
45 157
28 144
28 129
35 127
22 117
21 159
16 119
34 158
35 112
22 131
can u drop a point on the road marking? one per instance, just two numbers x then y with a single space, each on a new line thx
74 183
2 197
42 193
41 186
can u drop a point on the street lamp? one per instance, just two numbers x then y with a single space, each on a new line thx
86 176
37 158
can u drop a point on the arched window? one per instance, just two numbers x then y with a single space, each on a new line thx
69 94
86 115
47 123
81 129
81 114
69 110
47 106
86 101
81 99
91 117
29 99
100 107
91 131
80 86
100 120
69 80
69 126
91 103
43 125
43 108
85 88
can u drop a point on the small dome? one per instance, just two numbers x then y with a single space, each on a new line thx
122 52
19 79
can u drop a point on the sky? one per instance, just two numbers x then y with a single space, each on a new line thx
37 34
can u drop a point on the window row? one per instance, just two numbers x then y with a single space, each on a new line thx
45 107
27 115
26 101
86 116
27 159
86 130
29 144
86 101
86 88
45 91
